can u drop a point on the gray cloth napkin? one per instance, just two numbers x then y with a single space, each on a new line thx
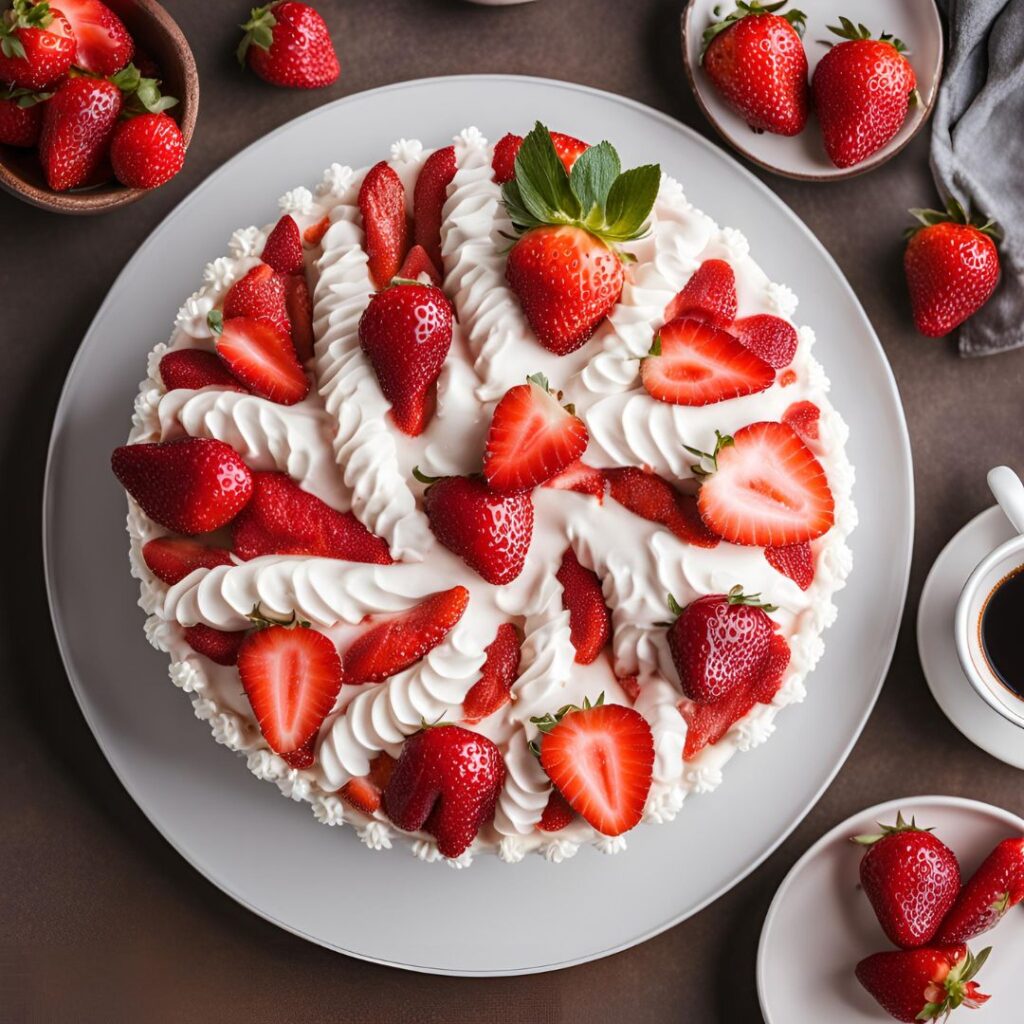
977 151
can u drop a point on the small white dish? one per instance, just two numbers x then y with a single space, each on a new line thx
936 640
820 924
803 156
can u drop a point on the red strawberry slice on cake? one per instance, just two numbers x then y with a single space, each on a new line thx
582 479
262 294
261 357
709 295
532 437
769 337
283 247
590 621
764 488
556 814
506 149
601 758
795 561
391 646
803 417
364 792
283 519
291 675
385 225
656 500
494 687
428 199
192 485
299 306
418 262
693 363
193 368
218 645
314 234
171 559
446 782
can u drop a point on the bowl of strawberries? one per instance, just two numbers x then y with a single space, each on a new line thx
98 101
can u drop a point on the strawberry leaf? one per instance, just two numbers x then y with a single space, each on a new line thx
593 175
630 201
543 183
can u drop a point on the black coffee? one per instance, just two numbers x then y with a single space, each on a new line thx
1002 630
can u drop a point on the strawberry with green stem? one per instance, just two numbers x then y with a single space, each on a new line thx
37 45
565 266
288 44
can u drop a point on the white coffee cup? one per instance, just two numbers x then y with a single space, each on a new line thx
1004 561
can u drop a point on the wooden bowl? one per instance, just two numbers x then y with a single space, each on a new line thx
155 33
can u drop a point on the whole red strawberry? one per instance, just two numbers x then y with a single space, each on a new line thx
490 532
147 150
565 268
923 984
862 89
406 332
911 878
192 485
756 60
446 783
988 894
37 45
21 116
287 43
720 642
952 268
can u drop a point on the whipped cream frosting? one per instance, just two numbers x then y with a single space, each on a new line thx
338 444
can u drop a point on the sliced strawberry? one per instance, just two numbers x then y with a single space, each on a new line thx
103 43
393 645
494 687
656 500
786 378
193 368
556 814
364 792
261 294
590 622
314 234
300 312
600 757
171 559
506 149
291 676
767 489
428 199
262 358
769 337
382 205
303 757
283 247
582 479
418 262
532 437
630 687
283 519
708 723
803 417
216 644
709 295
794 561
692 363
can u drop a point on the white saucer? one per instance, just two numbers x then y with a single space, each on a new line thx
937 646
820 924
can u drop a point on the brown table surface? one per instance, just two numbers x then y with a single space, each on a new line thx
102 920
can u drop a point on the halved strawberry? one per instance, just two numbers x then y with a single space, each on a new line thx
600 757
402 640
261 294
693 363
283 247
532 437
656 500
300 312
382 205
794 561
314 234
193 368
709 295
261 357
218 645
418 262
590 622
291 675
769 337
506 149
103 43
364 792
582 479
171 559
556 814
428 198
765 488
494 687
803 418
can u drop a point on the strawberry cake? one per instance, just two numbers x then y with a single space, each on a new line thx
490 500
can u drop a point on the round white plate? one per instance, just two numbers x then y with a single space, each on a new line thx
820 924
269 853
916 22
936 643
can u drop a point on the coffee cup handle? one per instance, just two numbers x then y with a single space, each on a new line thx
1008 490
